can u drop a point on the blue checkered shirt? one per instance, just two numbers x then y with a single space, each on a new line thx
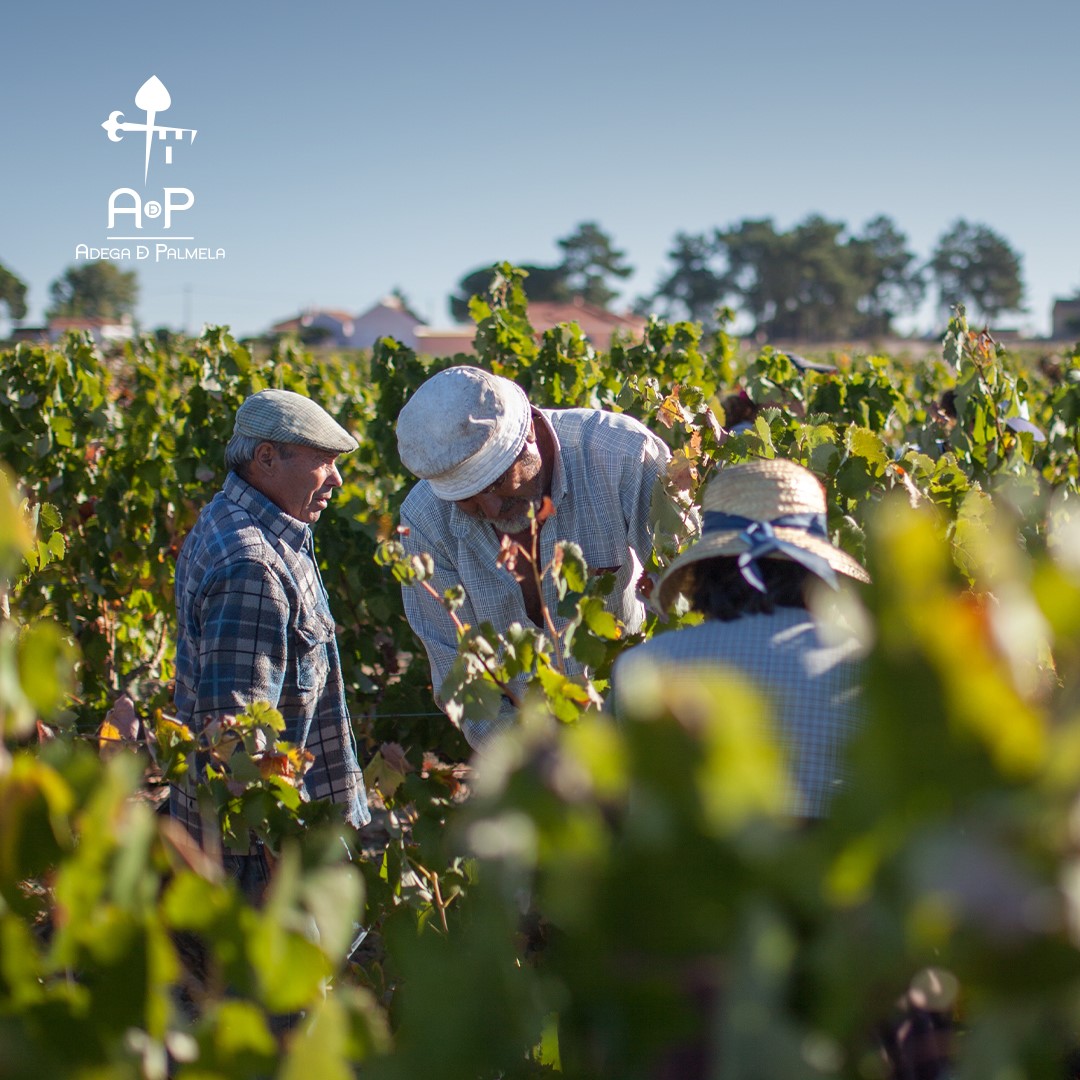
812 687
607 466
254 624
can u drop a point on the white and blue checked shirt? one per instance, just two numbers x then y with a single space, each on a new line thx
606 469
813 688
254 624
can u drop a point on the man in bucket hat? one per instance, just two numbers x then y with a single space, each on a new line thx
254 621
764 545
486 459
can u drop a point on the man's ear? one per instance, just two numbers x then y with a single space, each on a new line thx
264 457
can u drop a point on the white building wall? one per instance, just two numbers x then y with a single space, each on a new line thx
382 321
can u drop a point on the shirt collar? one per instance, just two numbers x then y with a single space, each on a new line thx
558 474
267 514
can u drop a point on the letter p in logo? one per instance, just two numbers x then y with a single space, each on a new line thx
174 204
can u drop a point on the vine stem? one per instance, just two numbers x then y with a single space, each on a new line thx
534 560
440 905
549 622
460 626
503 686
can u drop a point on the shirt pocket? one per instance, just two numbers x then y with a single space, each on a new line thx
314 633
605 556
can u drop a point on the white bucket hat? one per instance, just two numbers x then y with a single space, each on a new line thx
285 417
462 429
770 508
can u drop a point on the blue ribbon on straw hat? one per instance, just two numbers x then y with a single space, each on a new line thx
761 540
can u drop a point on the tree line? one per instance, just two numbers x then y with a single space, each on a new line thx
815 281
93 289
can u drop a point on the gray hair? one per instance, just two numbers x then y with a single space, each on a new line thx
240 451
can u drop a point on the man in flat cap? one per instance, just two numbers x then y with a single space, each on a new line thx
486 458
254 621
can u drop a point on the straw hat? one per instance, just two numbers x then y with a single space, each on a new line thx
766 508
285 417
462 429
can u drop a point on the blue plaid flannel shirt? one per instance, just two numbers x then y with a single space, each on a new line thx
254 624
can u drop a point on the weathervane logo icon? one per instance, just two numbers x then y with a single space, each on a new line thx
152 98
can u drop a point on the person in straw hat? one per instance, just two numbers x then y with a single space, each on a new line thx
254 620
764 545
486 459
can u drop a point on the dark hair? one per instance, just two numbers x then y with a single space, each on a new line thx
719 590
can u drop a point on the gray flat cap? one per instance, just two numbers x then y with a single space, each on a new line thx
462 430
282 416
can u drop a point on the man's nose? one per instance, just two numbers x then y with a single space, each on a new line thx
485 504
334 479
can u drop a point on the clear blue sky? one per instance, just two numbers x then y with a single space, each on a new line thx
345 149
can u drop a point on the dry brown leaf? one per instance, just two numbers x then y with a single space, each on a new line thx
509 552
547 509
124 718
681 471
394 756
